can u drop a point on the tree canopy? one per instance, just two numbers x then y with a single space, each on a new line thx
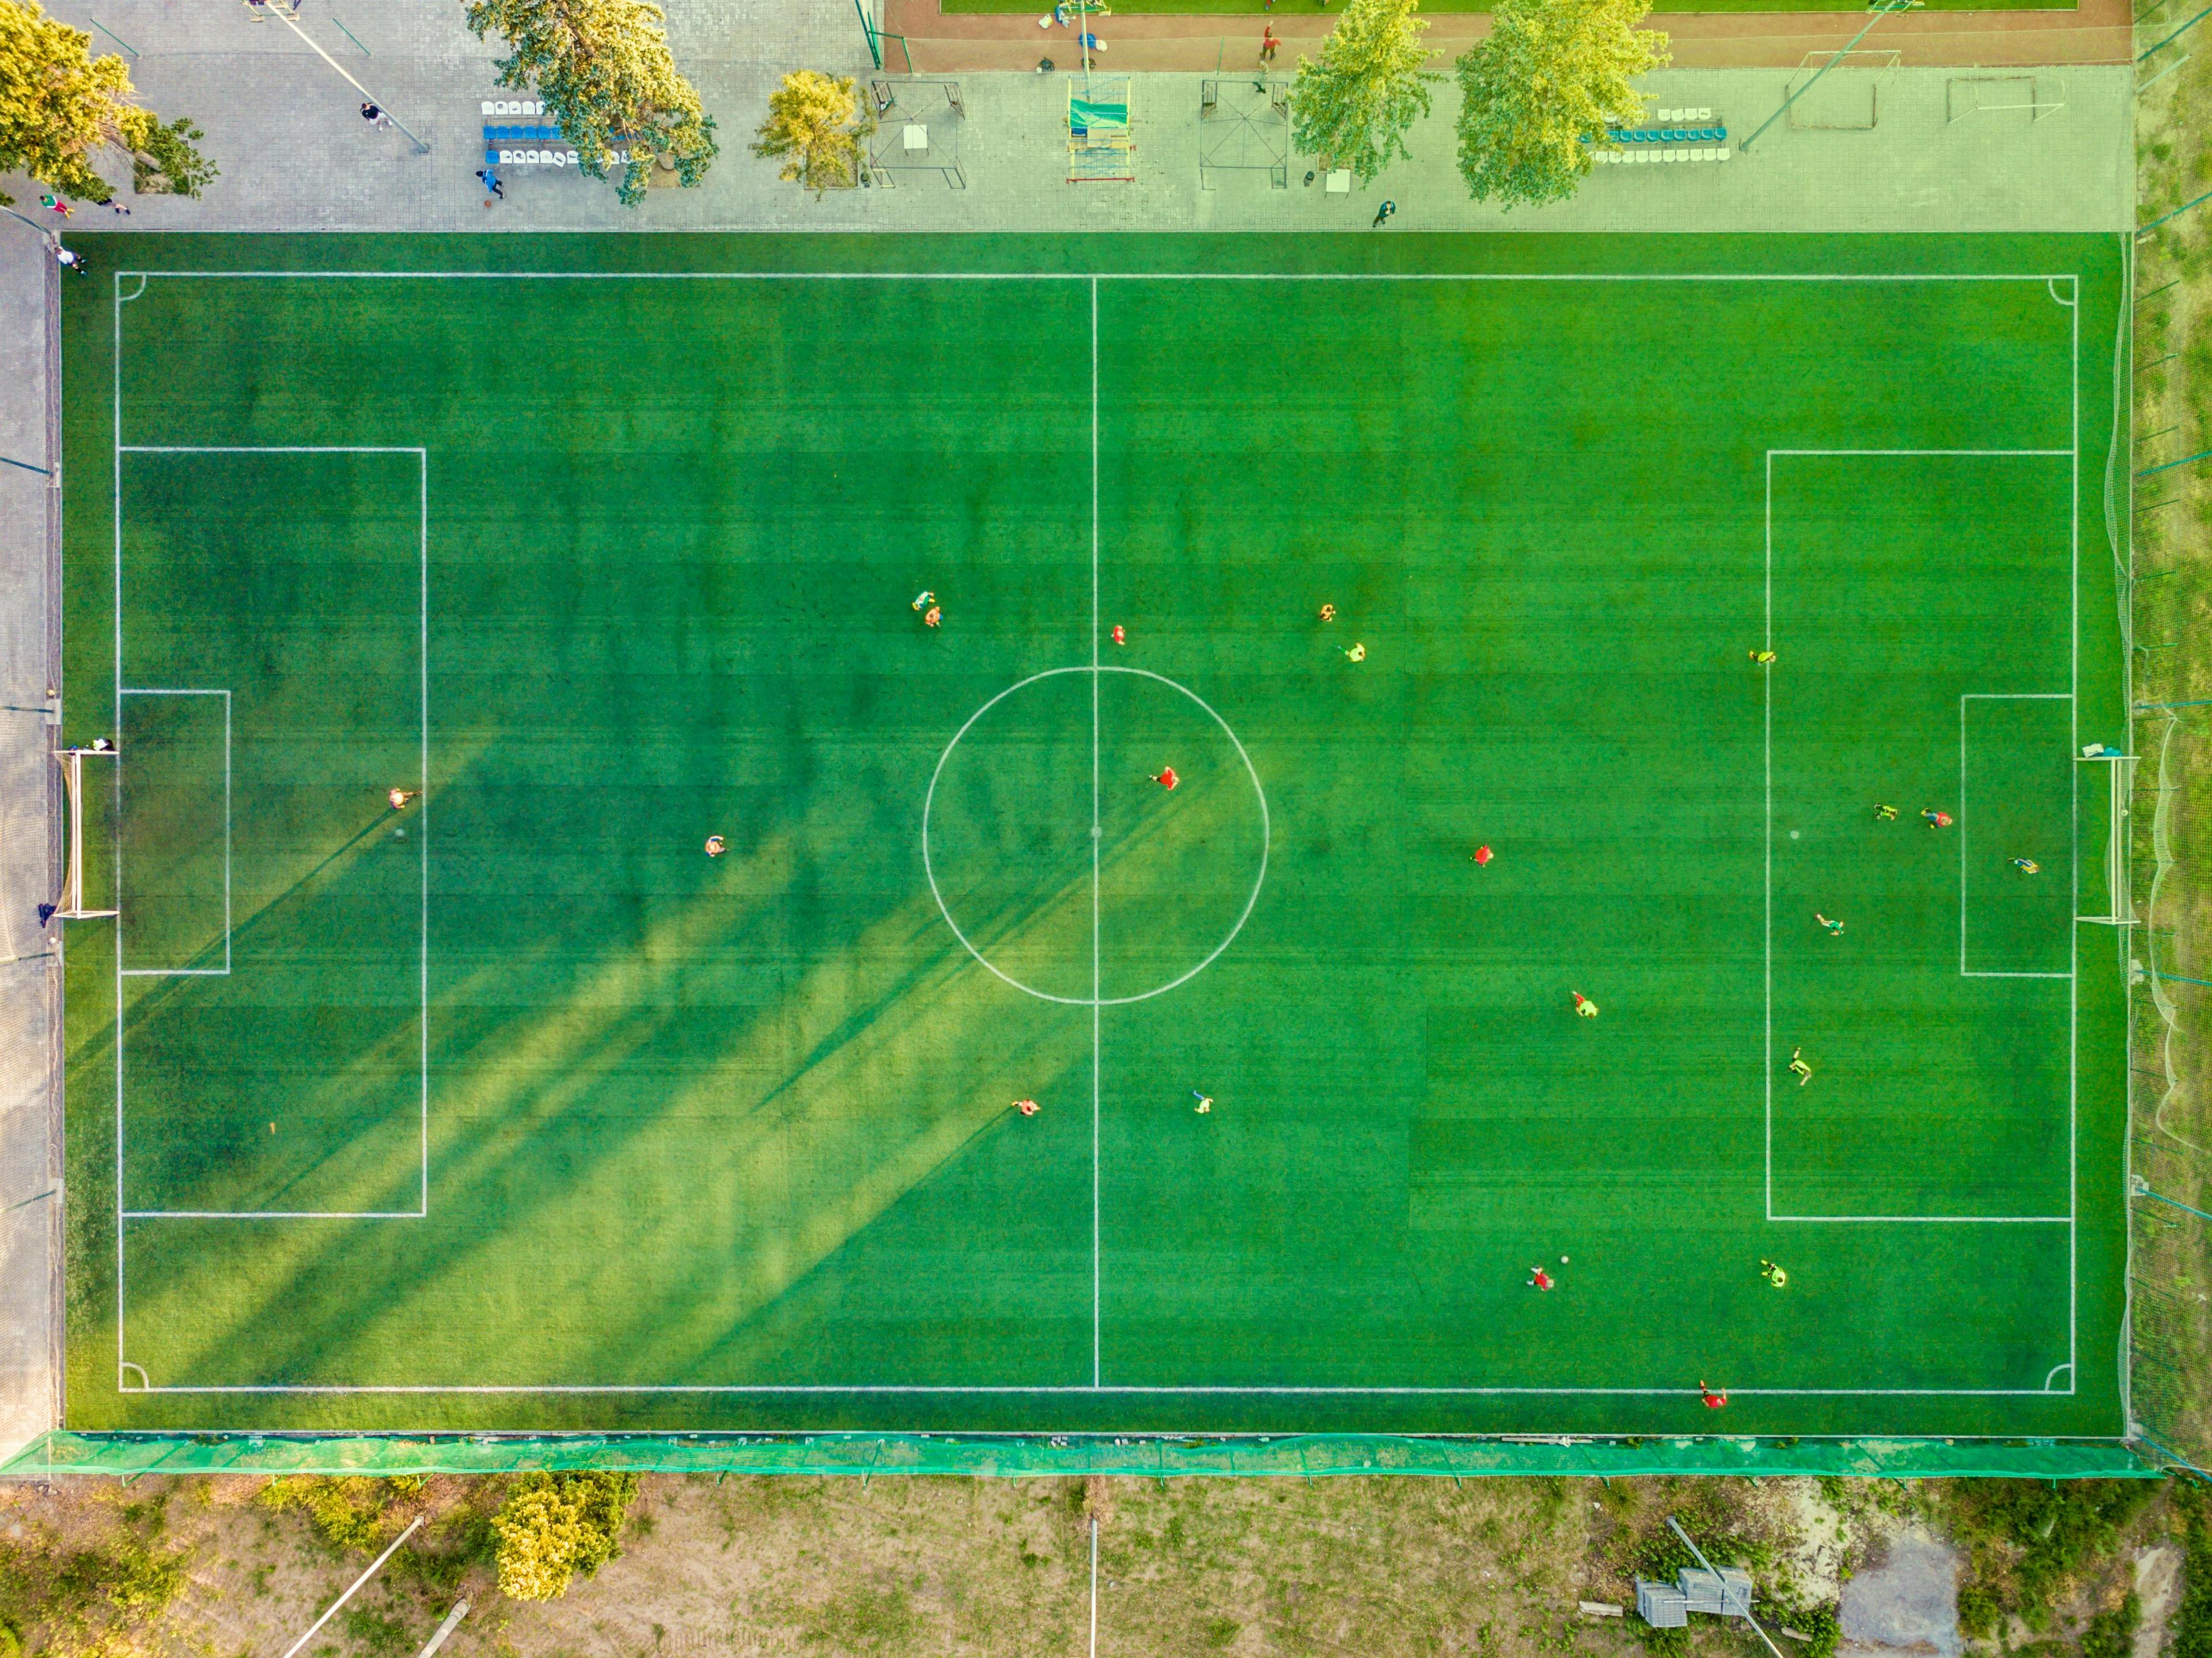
815 127
59 106
556 1525
1351 108
1551 74
602 69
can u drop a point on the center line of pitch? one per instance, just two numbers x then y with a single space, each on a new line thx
1096 834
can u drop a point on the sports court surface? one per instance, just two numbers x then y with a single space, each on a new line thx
512 1108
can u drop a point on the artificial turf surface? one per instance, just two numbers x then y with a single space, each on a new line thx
643 1138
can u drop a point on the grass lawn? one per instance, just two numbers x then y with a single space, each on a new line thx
511 1108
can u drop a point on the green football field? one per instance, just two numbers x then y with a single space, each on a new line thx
512 1108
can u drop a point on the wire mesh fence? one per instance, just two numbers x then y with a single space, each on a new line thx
866 1455
2167 563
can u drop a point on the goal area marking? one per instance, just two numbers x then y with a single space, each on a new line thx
1097 1385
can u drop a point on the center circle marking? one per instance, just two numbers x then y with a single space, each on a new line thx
1097 832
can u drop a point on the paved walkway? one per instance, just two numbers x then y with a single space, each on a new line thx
30 976
283 125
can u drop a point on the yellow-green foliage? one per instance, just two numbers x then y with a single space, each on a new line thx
59 104
348 1514
1352 105
605 73
815 126
1551 75
556 1525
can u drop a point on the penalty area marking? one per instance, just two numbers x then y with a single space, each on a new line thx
1094 999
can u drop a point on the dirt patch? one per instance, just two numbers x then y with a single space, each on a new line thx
1909 1603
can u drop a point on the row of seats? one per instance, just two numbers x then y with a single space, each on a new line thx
1667 134
1685 154
522 135
529 158
513 107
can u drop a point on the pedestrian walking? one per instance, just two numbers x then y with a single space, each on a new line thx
399 797
1027 1108
1166 777
374 116
69 259
1383 213
716 845
1357 653
1268 42
1328 612
494 190
1584 1005
1762 658
1773 1275
1713 1401
1934 819
1205 1101
1538 1278
1835 928
924 600
933 617
1884 814
1120 637
2028 865
1483 855
1798 1068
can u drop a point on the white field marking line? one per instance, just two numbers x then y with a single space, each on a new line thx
1097 1042
1081 1387
1767 714
1094 1586
1965 825
183 972
1259 879
1471 277
1932 1220
2051 284
1098 276
422 469
1992 1220
2073 877
2069 1368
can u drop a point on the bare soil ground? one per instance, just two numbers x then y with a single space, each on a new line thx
1378 1568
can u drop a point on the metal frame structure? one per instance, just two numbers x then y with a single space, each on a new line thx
904 107
2035 106
1248 130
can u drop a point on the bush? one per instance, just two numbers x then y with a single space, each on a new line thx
1980 1614
2112 1634
555 1525
352 1515
2192 1622
1822 1627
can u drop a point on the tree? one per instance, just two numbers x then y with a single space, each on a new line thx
555 1525
59 105
1551 74
603 71
815 125
1354 106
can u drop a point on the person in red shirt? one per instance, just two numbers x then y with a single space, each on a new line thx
1484 854
1120 637
1713 1401
1936 819
1167 779
1538 1278
1027 1108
